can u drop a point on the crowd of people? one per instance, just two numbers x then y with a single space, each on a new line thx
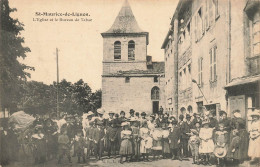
139 137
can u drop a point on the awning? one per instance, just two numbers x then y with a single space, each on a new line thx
243 81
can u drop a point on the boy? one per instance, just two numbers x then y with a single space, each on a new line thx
194 143
64 145
174 140
79 145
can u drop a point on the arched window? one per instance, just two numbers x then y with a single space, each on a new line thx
131 50
155 93
117 50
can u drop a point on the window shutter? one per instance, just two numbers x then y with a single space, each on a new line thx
211 12
196 27
211 70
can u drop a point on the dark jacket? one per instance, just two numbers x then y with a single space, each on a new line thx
174 136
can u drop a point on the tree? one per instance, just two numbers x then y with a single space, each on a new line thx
12 72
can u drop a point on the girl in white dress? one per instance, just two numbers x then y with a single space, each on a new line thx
206 144
146 141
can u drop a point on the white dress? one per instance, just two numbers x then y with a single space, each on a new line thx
206 146
146 140
254 142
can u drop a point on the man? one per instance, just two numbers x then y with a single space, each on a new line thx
212 121
132 114
184 128
98 139
196 119
112 136
224 120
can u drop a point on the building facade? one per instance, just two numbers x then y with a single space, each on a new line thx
212 54
130 79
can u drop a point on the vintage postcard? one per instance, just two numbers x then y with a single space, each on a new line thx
129 82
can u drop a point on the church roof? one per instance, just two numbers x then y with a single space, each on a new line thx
157 68
125 22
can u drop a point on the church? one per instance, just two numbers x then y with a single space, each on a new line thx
130 79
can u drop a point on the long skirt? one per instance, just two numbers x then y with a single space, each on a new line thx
254 146
166 146
206 147
243 144
126 147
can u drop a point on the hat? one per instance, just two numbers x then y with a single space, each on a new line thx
122 112
152 116
132 111
100 111
221 112
181 116
111 112
143 114
220 152
188 116
90 113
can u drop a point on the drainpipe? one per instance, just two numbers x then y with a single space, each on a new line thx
228 73
175 68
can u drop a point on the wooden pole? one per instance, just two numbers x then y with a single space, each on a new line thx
57 61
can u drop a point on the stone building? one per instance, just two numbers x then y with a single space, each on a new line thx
212 56
130 79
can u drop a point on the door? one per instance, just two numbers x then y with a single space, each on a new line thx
237 103
155 107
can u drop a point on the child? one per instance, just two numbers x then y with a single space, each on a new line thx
174 140
98 139
206 144
136 139
64 145
194 143
79 145
126 148
233 150
165 140
220 140
146 141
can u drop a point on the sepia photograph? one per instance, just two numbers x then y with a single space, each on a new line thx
136 83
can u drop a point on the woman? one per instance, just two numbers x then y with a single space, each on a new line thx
126 148
254 142
40 145
240 124
146 141
206 144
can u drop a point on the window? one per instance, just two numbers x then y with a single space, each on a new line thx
213 64
216 9
155 79
155 93
131 50
199 28
127 79
210 13
200 64
117 50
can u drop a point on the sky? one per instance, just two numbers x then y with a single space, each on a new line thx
79 42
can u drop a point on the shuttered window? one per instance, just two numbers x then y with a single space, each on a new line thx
131 50
213 63
117 50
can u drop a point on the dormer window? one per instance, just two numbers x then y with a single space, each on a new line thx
131 50
117 50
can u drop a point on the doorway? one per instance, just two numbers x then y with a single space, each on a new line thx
155 107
